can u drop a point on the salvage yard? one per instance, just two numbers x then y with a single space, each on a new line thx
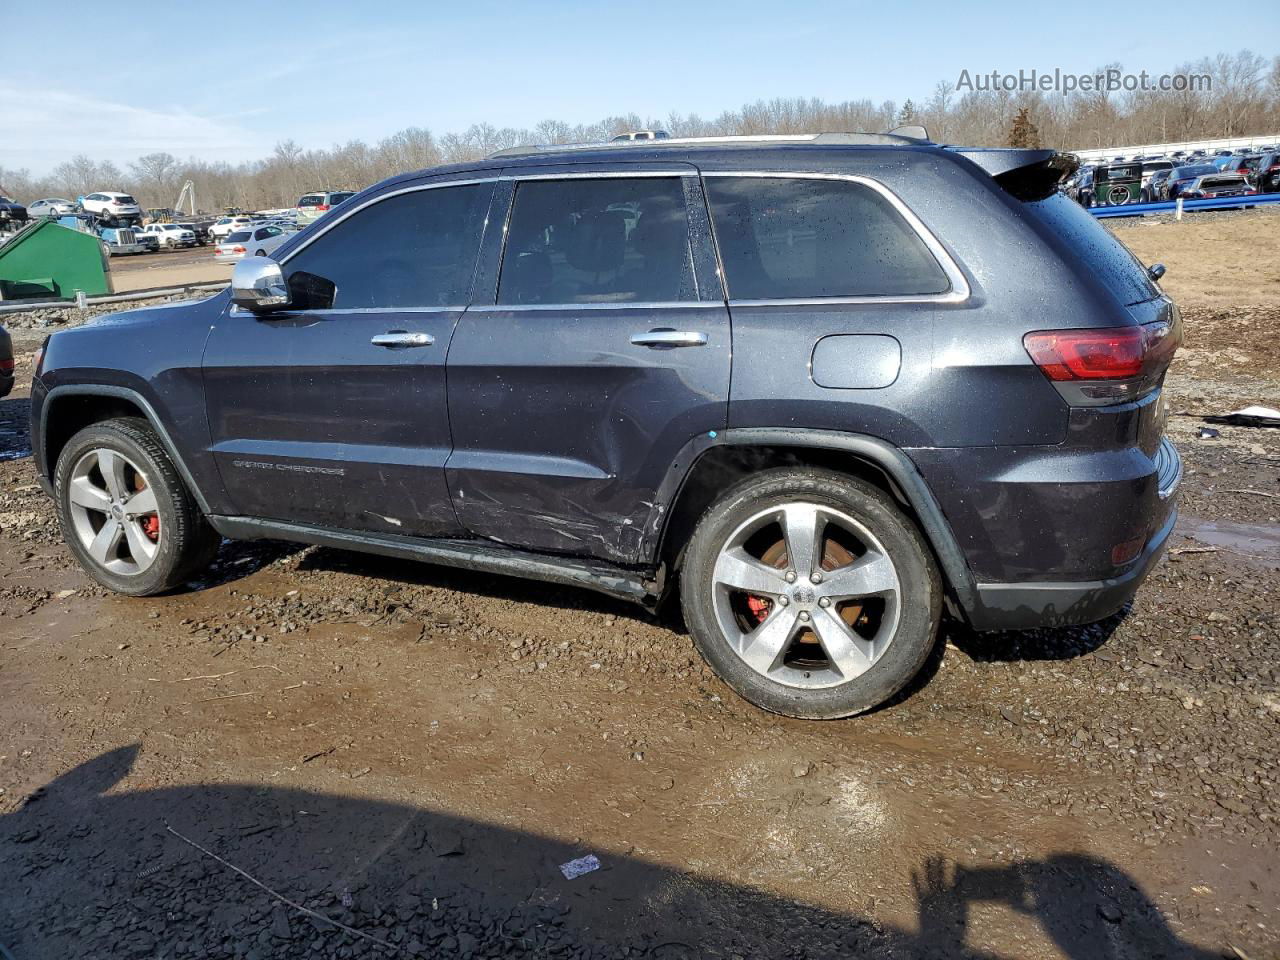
319 753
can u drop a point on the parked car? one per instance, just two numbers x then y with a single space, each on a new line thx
112 208
6 363
200 227
258 242
1153 191
313 206
1267 175
1180 177
51 207
12 213
1214 185
227 225
642 135
1149 169
1246 166
894 417
1080 186
171 235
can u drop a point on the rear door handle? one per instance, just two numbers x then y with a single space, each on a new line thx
669 338
398 338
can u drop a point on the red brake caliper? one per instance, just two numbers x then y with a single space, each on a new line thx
759 607
151 527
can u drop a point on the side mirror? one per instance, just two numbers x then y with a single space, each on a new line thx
1156 271
257 283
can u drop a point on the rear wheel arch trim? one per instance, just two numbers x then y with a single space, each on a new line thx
895 464
148 411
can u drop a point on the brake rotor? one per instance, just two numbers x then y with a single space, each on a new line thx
834 555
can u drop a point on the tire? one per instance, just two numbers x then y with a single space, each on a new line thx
173 540
855 651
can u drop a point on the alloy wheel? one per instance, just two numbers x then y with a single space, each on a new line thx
114 512
806 595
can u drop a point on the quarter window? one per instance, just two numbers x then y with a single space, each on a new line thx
417 249
796 238
606 240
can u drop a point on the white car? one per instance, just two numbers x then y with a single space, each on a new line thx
171 235
228 225
111 207
258 242
51 207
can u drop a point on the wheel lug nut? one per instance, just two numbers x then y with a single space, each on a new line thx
783 601
791 576
804 615
824 601
815 577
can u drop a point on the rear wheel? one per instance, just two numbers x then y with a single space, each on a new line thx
810 593
125 512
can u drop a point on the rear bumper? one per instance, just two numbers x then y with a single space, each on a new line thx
1026 605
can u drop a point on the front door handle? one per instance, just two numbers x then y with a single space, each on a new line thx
669 338
398 338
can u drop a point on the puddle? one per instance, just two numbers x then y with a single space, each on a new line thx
1257 541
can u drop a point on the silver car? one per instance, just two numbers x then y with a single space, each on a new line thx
51 207
258 242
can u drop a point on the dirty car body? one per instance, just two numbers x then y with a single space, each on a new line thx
1003 393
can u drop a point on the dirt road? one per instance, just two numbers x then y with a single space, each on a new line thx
408 754
149 271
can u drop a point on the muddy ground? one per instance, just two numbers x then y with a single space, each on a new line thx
407 754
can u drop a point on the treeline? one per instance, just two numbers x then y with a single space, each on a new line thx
1243 98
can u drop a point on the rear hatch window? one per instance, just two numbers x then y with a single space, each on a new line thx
1110 260
125 198
311 200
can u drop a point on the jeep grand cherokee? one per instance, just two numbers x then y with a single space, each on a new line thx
824 384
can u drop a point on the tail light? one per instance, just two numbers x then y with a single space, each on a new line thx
1091 367
237 249
322 207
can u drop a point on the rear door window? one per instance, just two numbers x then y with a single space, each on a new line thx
606 240
416 249
799 238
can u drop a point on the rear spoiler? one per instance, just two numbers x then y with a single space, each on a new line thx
1026 174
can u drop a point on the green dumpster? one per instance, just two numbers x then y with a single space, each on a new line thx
48 260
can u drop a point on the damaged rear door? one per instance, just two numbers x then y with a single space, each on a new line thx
599 348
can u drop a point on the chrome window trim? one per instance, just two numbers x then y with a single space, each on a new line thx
958 293
238 311
622 305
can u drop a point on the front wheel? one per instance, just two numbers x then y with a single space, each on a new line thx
125 512
810 593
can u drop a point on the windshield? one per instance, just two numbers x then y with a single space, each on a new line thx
1157 165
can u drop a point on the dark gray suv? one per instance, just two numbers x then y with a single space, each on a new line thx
824 385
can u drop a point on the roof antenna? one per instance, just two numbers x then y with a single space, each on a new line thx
913 130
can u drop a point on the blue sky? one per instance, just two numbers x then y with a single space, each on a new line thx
249 75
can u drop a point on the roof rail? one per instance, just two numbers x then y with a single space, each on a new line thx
906 136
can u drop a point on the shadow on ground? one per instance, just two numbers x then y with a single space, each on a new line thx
92 873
